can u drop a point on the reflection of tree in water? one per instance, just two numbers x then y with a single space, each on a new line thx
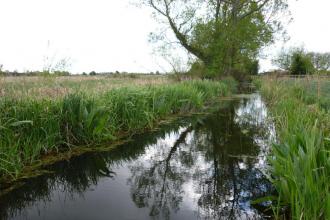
218 156
74 177
234 180
159 186
215 159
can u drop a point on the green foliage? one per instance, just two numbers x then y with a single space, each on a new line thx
252 67
1 70
30 128
83 121
93 73
300 163
27 128
321 61
231 83
61 73
197 69
283 59
301 64
226 36
257 82
223 51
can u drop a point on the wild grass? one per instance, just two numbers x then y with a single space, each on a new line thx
58 87
301 157
32 126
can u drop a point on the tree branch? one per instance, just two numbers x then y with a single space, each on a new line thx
179 35
264 2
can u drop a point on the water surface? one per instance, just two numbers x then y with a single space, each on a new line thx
208 167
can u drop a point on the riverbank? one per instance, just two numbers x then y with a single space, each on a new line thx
300 162
36 125
166 173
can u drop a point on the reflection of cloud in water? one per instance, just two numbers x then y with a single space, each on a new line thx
253 112
208 170
206 178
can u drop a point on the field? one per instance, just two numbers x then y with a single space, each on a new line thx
57 87
45 115
300 164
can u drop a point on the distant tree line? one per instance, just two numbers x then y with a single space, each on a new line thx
33 73
52 66
297 61
117 73
67 73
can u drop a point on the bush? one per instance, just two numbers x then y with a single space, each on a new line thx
197 70
297 61
301 64
252 67
61 73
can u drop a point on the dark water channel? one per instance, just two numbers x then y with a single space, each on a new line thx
201 167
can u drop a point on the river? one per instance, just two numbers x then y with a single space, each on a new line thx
198 167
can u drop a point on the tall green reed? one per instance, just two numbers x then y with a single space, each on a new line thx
30 128
300 163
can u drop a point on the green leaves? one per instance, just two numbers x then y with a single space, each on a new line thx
264 199
13 123
20 123
300 161
83 120
226 36
30 128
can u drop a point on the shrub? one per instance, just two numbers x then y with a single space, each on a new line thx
301 64
252 67
197 69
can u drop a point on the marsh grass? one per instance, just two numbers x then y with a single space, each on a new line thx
39 87
301 157
34 126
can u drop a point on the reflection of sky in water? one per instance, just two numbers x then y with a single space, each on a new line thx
203 171
254 112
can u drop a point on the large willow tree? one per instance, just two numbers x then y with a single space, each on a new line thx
224 35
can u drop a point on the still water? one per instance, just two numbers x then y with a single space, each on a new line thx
201 167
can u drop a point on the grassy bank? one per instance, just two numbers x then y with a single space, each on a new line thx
301 158
37 125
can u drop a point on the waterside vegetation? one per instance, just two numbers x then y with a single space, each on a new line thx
300 162
33 126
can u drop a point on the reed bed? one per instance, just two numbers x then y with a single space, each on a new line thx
34 126
39 87
301 157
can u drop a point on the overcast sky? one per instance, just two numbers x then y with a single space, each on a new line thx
110 35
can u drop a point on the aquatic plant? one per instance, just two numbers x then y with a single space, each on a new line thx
32 127
300 162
